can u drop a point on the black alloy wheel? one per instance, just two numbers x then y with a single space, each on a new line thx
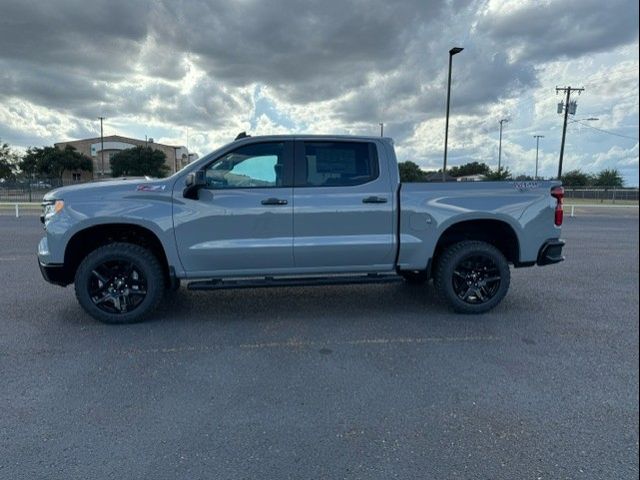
476 278
119 283
473 276
117 286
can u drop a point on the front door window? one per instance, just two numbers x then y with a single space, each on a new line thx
253 166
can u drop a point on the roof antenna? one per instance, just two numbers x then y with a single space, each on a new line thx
241 135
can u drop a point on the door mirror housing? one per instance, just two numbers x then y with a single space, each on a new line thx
194 182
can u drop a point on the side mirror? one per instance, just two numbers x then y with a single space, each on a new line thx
194 182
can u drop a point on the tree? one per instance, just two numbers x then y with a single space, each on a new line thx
28 165
8 162
524 178
499 174
576 178
139 161
609 178
473 168
410 172
52 162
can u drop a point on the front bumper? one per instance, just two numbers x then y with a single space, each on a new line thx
551 252
54 273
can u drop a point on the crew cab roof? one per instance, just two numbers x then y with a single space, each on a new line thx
302 136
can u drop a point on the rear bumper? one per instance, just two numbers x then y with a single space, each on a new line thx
55 274
551 252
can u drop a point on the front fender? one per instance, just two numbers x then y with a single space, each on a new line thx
150 212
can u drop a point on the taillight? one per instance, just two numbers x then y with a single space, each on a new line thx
558 194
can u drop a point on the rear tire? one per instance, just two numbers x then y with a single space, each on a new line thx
472 276
119 283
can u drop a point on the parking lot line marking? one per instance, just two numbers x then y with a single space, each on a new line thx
14 258
291 344
368 341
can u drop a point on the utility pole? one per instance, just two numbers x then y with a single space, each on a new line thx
568 91
381 129
101 148
504 120
537 137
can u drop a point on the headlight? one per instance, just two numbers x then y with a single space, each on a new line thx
50 208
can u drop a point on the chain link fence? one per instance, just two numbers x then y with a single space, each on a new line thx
602 194
29 190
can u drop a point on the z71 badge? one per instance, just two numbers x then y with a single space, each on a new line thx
150 188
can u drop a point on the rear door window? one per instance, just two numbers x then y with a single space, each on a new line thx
342 164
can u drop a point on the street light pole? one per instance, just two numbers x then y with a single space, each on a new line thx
504 120
101 148
537 137
382 129
452 52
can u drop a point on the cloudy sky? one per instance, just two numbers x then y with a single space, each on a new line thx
200 71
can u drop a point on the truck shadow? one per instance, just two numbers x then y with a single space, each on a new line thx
352 302
379 306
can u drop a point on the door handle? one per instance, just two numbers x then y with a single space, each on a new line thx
374 199
273 201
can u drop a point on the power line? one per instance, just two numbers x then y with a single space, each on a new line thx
607 131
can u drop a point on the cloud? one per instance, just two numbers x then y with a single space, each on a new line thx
549 30
618 156
160 67
98 36
308 51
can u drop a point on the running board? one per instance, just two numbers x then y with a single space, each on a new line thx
216 284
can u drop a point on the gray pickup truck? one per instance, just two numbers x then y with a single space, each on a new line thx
293 210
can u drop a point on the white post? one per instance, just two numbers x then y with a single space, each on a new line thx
572 210
17 211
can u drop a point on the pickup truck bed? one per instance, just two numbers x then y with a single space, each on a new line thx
517 216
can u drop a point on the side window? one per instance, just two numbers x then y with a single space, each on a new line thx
340 163
251 166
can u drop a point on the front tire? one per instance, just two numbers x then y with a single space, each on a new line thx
119 283
472 276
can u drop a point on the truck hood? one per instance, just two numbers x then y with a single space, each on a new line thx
100 188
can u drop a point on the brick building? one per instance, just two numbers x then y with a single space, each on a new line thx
176 156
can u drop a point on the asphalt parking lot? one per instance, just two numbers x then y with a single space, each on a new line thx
329 382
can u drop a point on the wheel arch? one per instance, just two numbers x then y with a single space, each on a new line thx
84 241
498 233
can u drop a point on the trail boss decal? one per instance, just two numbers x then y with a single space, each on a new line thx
523 186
